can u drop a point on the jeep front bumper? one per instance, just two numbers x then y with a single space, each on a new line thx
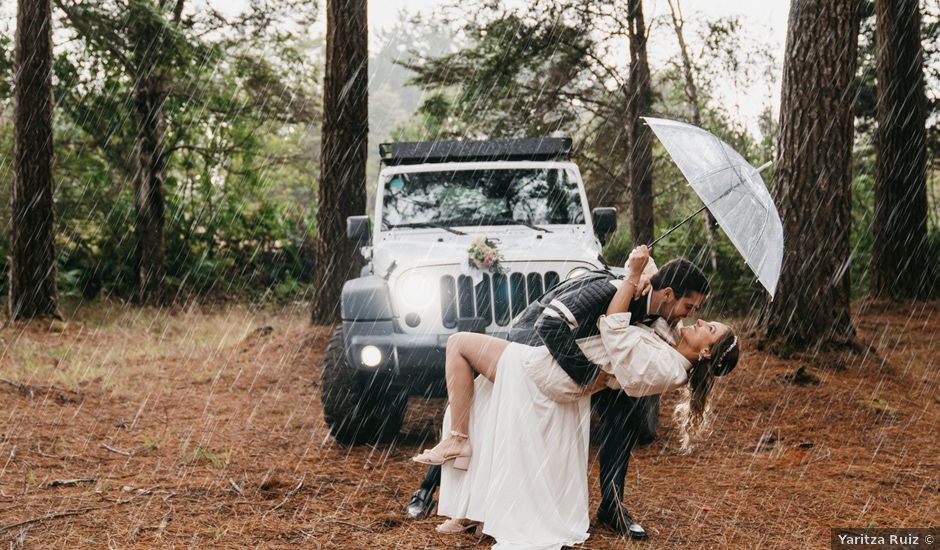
412 359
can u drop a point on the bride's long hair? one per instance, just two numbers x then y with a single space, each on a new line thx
692 414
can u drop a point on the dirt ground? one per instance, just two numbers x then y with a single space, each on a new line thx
140 428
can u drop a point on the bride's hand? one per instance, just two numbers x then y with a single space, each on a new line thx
637 262
643 287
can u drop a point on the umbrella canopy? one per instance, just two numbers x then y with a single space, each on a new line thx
733 192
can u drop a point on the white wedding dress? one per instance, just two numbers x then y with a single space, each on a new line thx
528 477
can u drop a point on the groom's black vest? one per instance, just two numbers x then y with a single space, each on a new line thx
570 311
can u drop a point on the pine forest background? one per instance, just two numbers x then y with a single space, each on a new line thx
243 118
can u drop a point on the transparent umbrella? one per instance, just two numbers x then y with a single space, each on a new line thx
733 192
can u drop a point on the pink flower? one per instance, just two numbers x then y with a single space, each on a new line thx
488 261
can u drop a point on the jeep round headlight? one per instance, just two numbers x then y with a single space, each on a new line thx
371 356
415 291
576 272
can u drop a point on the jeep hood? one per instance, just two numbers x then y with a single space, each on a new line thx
436 247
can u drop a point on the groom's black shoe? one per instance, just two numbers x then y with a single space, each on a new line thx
619 519
421 504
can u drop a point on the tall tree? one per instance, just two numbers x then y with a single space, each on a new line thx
32 262
150 94
146 42
901 265
639 100
692 93
343 148
813 177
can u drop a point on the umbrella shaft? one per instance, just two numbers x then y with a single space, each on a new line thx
677 226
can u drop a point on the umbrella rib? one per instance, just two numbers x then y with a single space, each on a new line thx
700 177
728 160
760 236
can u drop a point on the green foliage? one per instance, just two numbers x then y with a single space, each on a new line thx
517 77
6 147
242 116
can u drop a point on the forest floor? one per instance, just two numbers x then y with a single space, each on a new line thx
141 428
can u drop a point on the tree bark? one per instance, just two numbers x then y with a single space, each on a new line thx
342 153
32 291
813 178
149 97
639 100
691 92
901 265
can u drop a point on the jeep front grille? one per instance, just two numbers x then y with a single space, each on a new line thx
496 298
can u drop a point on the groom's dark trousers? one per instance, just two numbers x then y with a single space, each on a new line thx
557 320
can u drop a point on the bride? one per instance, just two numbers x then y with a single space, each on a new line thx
519 434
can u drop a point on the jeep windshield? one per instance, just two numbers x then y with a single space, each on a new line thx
490 196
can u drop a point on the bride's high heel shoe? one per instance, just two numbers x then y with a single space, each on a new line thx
456 526
461 458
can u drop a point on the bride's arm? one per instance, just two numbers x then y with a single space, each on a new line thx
620 303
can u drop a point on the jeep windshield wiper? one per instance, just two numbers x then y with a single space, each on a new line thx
513 221
427 224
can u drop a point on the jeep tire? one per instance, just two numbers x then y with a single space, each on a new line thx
358 409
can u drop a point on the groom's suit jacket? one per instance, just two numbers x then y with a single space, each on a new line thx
569 312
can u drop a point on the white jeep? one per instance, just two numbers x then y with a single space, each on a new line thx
418 288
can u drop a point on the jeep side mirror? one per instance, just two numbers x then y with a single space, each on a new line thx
358 230
605 222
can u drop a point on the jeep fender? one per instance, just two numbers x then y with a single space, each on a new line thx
366 310
366 299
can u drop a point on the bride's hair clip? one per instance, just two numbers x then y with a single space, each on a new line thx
719 366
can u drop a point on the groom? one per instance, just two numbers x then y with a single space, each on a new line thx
569 312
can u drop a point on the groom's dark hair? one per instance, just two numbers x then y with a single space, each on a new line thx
682 276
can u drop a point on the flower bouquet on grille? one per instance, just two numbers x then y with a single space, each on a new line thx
483 255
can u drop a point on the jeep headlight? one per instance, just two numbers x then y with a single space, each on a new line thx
576 272
370 356
415 291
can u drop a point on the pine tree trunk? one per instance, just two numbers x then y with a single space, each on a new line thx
148 188
813 178
32 233
342 153
638 134
901 266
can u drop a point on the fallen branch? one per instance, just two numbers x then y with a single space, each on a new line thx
163 523
80 511
288 496
159 529
235 487
113 450
357 526
46 455
67 482
32 389
9 459
138 490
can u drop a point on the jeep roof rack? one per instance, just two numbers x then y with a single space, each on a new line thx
422 152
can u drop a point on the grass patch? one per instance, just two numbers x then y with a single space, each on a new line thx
125 350
149 442
203 454
878 406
